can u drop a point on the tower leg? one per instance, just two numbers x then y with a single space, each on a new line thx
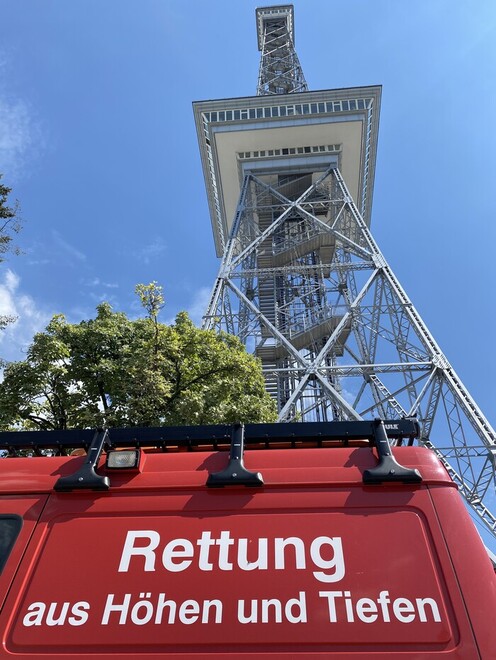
305 286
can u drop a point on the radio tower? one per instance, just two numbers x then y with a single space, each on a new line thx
289 176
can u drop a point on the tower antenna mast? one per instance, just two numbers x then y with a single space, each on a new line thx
280 70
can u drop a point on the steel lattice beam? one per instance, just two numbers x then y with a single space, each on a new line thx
313 296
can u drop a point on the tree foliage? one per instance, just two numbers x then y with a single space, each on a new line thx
9 222
114 371
9 227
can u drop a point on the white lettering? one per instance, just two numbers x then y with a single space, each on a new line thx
273 610
146 607
80 613
130 550
300 605
349 606
51 620
384 601
175 549
35 616
259 563
335 564
276 604
404 610
161 604
205 542
366 610
110 607
369 610
155 609
252 617
325 552
207 605
331 602
280 544
188 612
421 602
224 544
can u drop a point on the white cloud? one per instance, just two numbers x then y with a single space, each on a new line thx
148 252
30 318
102 296
196 309
20 137
97 282
54 249
11 281
73 252
99 291
14 135
199 304
79 313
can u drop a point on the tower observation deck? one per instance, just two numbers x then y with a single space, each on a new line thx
289 175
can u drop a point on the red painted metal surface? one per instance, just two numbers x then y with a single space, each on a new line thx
312 564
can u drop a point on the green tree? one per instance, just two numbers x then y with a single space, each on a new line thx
9 227
9 222
113 371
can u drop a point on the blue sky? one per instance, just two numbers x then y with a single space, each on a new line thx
97 140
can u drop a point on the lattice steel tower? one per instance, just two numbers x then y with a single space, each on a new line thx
289 176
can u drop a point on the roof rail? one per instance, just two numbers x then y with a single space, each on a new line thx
164 437
377 432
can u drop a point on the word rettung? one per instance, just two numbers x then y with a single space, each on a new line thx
326 554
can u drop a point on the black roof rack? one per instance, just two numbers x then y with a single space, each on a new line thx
238 436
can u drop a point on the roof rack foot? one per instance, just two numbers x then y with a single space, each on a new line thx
86 477
235 474
388 470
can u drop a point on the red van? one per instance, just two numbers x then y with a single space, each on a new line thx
268 541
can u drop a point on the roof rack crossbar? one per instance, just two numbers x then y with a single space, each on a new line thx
194 436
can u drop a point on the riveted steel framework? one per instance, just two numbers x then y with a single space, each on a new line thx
304 285
280 71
